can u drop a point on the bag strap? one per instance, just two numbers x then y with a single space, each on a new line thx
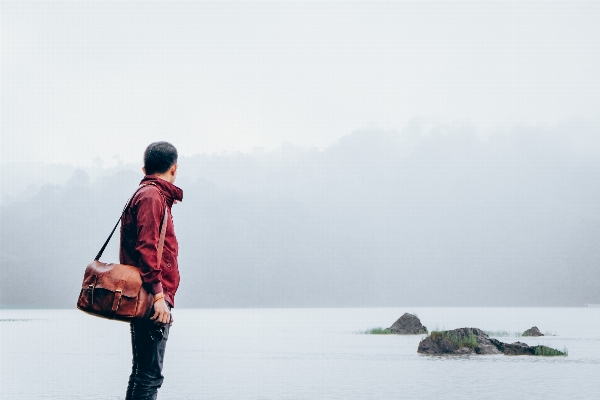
163 231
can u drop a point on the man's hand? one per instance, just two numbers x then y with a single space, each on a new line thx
162 315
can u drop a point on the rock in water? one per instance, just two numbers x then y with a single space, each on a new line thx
475 341
408 324
459 341
518 349
534 331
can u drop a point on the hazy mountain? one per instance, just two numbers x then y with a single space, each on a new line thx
419 217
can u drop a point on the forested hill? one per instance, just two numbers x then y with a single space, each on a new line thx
419 217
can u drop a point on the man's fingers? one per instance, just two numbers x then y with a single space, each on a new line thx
154 316
162 317
158 319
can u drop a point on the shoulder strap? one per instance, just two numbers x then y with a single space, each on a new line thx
163 231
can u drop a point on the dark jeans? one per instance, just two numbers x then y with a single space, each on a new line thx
146 373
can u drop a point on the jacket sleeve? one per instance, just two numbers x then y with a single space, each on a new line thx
150 213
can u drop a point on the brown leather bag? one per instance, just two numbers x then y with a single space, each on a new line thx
115 291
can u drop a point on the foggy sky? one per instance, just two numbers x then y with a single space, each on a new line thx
331 154
85 81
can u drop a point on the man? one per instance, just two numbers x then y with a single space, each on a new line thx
140 231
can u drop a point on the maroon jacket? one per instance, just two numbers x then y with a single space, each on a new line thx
140 231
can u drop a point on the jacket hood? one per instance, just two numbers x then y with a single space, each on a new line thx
170 191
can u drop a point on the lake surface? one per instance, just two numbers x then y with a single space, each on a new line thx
299 354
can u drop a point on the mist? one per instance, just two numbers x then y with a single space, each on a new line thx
430 215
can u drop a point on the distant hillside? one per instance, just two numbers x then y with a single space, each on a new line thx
379 219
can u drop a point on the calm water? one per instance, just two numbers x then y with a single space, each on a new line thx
298 354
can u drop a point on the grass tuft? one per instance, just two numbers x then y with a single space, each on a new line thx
503 334
469 341
549 352
379 331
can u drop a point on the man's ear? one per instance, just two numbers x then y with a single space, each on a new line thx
144 170
174 169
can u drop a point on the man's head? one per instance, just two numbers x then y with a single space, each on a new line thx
160 159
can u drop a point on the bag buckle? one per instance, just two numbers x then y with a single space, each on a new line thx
91 290
117 300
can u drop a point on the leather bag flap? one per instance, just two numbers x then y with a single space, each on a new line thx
113 277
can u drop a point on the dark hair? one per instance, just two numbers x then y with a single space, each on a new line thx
159 157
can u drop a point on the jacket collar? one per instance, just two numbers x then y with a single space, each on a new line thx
170 191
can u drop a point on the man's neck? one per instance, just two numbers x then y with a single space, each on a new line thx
166 177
